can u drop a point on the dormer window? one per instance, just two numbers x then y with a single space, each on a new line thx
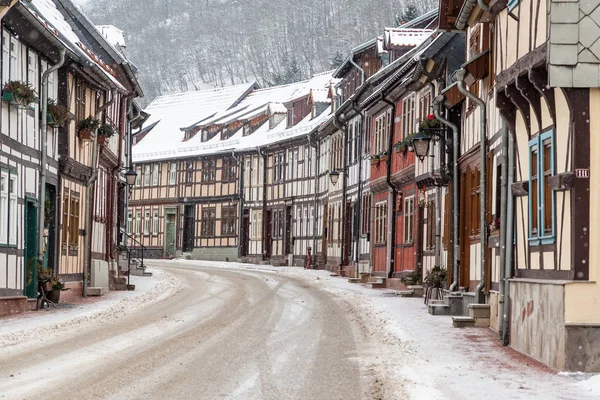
247 130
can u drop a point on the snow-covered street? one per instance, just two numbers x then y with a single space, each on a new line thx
207 330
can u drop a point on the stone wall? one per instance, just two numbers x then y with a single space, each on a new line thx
215 254
537 325
582 347
495 313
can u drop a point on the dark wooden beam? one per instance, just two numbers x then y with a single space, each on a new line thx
529 92
539 78
522 105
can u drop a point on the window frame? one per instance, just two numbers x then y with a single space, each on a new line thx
228 221
209 171
409 220
155 222
209 222
173 174
537 144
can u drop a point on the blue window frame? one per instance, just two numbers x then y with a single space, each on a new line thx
512 4
542 221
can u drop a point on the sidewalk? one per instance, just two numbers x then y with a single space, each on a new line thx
85 312
429 358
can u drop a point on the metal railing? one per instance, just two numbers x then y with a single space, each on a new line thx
135 250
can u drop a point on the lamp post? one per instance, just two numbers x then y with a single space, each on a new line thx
130 177
334 176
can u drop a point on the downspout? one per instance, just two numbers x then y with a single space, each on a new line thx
482 160
264 207
362 71
344 129
44 154
455 183
315 204
464 13
482 5
508 258
129 161
88 200
503 216
241 205
391 255
358 220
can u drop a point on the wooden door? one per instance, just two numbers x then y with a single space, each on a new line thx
188 228
347 234
465 229
31 245
267 237
288 231
325 233
170 235
245 234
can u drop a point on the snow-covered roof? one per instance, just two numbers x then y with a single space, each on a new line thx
52 19
165 141
320 95
401 37
113 35
175 111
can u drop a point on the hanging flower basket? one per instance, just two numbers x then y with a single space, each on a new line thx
19 93
104 132
400 147
384 157
58 116
101 140
375 160
86 128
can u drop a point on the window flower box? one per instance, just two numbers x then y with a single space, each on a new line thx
375 160
87 127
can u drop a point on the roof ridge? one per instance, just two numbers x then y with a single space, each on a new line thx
217 89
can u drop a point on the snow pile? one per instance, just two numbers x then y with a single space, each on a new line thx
164 285
591 385
113 35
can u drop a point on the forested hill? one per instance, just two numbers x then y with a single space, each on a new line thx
191 44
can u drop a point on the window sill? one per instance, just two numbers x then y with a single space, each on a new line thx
542 241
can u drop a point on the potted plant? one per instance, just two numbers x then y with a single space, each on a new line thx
400 147
384 156
86 128
430 122
436 277
494 226
58 116
104 131
19 93
57 285
375 159
414 278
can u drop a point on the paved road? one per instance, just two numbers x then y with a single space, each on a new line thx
227 334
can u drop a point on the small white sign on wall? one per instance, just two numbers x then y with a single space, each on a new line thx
583 173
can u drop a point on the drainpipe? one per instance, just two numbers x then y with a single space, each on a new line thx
362 71
482 160
130 120
392 188
344 128
438 194
88 201
312 145
503 214
241 205
358 219
464 14
455 182
44 153
482 5
508 258
264 211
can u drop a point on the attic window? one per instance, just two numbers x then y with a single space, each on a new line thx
247 130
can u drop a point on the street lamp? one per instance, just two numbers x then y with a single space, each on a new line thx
130 177
334 176
420 145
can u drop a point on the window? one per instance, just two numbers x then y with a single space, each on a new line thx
147 223
447 216
14 59
138 181
5 56
381 223
408 116
228 172
129 223
257 224
80 100
254 172
155 168
367 142
382 132
541 197
12 188
147 175
173 174
366 213
209 171
512 4
189 172
138 223
278 223
424 106
4 217
430 240
475 202
278 169
208 222
155 223
247 172
409 219
228 220
74 220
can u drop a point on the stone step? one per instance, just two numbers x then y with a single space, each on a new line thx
354 280
406 293
438 309
479 310
95 291
118 286
417 289
376 279
376 285
463 322
438 302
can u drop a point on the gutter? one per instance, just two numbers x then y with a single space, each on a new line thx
464 13
44 154
392 188
241 204
315 202
344 128
89 203
455 182
482 161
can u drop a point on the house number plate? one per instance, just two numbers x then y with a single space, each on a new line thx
582 173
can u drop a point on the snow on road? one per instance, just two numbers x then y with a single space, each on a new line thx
260 332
